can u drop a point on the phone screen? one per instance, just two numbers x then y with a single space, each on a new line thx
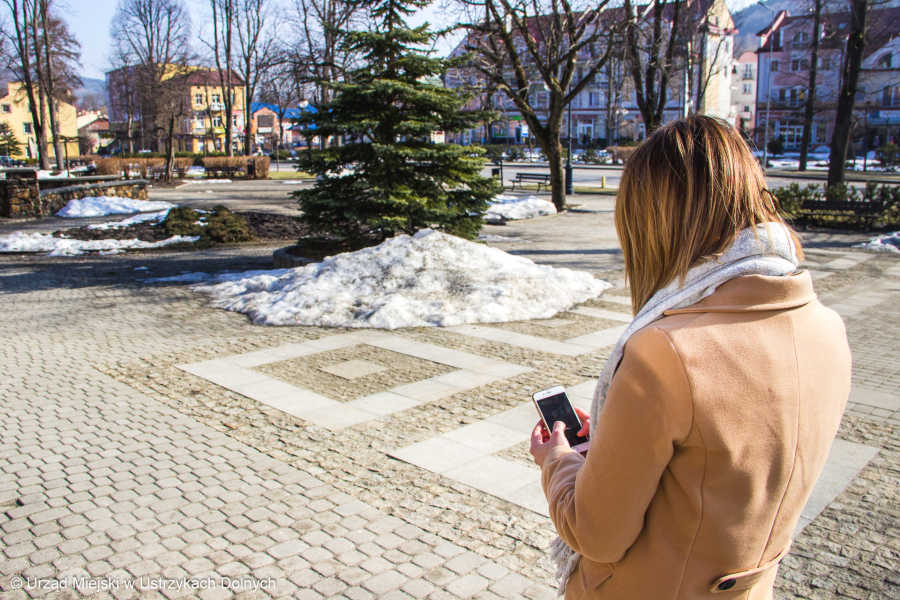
558 408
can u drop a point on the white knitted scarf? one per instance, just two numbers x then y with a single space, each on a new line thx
766 250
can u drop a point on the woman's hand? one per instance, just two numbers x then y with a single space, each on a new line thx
541 447
585 430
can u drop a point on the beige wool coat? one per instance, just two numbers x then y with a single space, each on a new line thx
715 428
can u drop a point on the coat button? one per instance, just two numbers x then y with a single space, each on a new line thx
727 584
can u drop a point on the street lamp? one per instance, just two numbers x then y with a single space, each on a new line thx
569 153
768 91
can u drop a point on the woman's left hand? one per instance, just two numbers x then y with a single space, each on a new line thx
540 448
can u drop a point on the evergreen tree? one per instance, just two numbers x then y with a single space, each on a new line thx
387 176
9 144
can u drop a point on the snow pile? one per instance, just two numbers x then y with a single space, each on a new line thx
885 243
510 208
427 279
157 217
210 181
43 242
98 206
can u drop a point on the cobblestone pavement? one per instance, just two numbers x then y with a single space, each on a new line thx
124 462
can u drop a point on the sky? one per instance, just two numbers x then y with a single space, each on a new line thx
89 21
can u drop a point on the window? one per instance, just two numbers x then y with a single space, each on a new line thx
774 66
265 121
198 98
820 132
885 61
748 88
886 96
825 63
793 96
800 64
7 108
800 38
27 128
217 121
216 98
593 98
782 95
748 71
746 108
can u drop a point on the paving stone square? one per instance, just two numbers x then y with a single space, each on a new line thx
148 436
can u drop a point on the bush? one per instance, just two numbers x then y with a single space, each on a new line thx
776 146
792 197
222 225
621 153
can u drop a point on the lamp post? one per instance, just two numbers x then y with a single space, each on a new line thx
771 41
569 153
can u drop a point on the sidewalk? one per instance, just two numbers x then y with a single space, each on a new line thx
153 441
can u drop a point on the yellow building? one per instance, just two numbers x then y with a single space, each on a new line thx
204 129
15 112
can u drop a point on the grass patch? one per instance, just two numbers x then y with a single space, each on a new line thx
221 225
288 172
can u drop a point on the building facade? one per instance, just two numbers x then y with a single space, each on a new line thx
743 93
195 94
606 111
15 112
783 66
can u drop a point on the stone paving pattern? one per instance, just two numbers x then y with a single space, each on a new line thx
117 463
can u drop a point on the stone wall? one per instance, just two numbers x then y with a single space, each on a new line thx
21 196
53 200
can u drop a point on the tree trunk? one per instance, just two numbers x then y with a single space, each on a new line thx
170 148
248 143
553 149
811 89
840 140
40 133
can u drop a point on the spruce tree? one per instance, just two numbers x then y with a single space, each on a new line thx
387 176
9 144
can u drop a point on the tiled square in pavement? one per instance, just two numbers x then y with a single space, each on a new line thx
561 328
491 455
351 369
292 377
346 374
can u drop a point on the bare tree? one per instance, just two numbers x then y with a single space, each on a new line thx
155 37
224 18
57 64
25 23
840 139
532 50
318 55
809 108
259 51
283 90
650 50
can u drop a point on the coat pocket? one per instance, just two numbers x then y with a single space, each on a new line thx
739 581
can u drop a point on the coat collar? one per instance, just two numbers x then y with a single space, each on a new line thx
750 293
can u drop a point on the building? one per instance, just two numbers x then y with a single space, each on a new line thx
204 128
784 57
606 111
93 131
272 125
15 112
743 92
194 94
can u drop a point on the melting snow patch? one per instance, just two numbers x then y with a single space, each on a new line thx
510 208
884 243
429 279
98 206
210 181
158 217
44 242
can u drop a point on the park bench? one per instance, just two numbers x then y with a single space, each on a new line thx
867 211
531 178
216 172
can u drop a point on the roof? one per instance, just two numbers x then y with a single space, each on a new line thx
204 76
880 29
294 112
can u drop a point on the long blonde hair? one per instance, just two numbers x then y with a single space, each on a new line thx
685 193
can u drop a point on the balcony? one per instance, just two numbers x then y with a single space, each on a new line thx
216 106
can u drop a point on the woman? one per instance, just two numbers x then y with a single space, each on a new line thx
712 423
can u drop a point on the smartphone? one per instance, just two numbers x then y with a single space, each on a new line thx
553 405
